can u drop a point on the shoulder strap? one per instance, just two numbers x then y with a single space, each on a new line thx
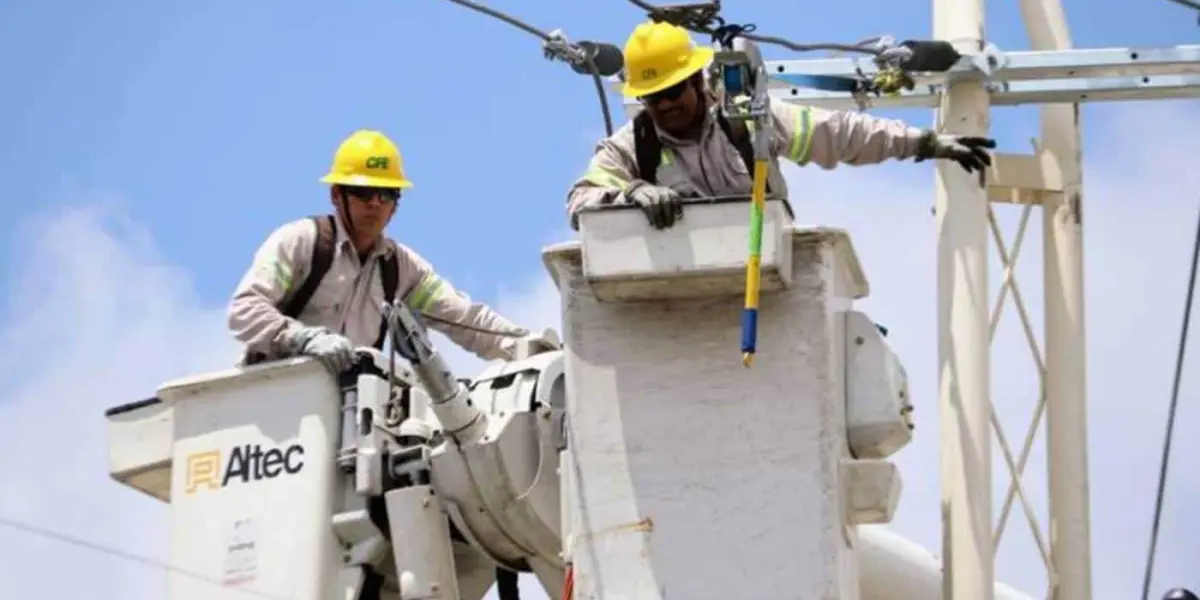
647 148
320 261
389 273
739 136
322 258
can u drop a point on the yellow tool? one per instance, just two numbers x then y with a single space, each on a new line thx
742 77
753 263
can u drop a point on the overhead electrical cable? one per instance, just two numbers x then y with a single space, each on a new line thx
1174 405
589 58
702 18
129 556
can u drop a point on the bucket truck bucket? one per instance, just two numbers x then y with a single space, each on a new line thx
246 459
285 484
705 256
689 472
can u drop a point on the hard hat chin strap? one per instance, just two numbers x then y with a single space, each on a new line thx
343 203
347 220
344 200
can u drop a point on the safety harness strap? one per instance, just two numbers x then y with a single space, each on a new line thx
389 272
648 148
319 264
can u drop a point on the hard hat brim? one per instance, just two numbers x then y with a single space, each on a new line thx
701 57
366 181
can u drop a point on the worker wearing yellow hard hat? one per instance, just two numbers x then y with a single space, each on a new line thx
662 63
660 55
367 165
368 159
316 285
680 145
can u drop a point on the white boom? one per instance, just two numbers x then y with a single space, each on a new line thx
685 472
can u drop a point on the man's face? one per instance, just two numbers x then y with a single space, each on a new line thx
370 209
674 109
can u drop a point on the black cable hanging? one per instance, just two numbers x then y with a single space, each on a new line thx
1166 454
64 538
589 58
703 18
1188 3
894 61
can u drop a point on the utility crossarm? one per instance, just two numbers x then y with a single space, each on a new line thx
1013 78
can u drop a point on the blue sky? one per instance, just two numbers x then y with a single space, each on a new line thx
200 127
213 120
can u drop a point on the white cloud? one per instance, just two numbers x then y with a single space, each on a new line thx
97 318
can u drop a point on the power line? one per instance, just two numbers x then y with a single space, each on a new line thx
555 46
1188 3
129 556
1166 454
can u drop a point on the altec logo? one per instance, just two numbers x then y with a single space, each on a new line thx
245 464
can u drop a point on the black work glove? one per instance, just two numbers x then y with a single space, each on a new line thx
663 206
967 151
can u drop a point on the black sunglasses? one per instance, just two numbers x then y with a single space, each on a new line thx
365 194
671 93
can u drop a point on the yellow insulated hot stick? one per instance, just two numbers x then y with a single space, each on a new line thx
743 85
753 263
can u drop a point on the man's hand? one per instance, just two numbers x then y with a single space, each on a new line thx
333 350
662 205
967 151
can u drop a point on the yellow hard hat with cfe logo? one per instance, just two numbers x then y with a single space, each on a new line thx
660 55
369 159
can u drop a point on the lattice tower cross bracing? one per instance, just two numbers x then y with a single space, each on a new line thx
1058 78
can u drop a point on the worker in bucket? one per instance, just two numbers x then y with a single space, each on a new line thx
316 285
680 145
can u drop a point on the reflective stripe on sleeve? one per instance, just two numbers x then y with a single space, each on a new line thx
426 293
802 134
283 274
598 176
275 273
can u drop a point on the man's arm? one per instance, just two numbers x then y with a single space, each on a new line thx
807 134
434 296
608 173
278 265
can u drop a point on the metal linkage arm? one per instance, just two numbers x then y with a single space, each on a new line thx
1013 78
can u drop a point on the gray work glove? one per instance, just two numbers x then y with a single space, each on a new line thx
333 350
967 151
662 205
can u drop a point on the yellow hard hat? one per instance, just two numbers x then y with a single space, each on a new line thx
368 158
660 55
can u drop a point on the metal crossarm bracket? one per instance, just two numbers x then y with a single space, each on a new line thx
1012 77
